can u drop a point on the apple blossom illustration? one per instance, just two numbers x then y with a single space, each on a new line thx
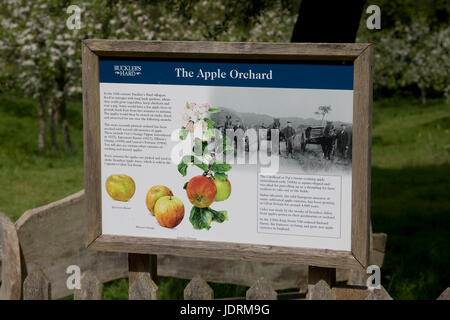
213 184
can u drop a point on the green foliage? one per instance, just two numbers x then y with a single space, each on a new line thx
201 218
410 55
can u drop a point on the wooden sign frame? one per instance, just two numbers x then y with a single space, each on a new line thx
360 54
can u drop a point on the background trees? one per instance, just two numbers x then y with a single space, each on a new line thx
40 57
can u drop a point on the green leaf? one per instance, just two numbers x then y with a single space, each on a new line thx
220 167
187 105
221 176
202 166
185 185
213 110
182 168
201 218
219 216
210 123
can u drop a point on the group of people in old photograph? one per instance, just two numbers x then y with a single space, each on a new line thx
312 144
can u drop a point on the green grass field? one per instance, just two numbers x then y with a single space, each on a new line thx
410 189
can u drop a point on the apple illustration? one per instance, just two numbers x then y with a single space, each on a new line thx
201 191
154 194
120 187
169 211
223 189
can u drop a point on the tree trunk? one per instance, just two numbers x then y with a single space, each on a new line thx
41 122
423 95
53 121
328 21
65 123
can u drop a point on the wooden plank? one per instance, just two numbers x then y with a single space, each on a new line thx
143 288
53 237
91 127
225 50
223 250
379 241
262 289
198 289
245 273
10 275
91 287
361 164
36 286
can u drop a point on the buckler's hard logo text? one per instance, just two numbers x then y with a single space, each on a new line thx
127 71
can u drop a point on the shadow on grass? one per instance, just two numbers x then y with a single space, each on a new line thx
412 205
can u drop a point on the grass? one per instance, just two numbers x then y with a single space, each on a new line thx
410 183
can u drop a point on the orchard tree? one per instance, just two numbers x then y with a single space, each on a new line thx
323 111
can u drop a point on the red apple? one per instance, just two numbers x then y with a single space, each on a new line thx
201 191
169 211
154 194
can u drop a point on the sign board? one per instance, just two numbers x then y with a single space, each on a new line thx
251 151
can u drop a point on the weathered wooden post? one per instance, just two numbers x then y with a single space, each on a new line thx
10 272
261 290
320 281
36 286
143 288
142 271
91 288
445 295
198 289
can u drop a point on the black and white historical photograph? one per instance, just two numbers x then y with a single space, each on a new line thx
309 132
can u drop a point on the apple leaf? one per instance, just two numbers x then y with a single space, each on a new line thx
221 176
185 185
200 218
219 216
210 123
220 167
182 168
202 166
213 110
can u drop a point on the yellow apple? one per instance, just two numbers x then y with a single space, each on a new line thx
154 194
120 187
169 211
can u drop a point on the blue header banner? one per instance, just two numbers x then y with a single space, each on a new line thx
230 74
